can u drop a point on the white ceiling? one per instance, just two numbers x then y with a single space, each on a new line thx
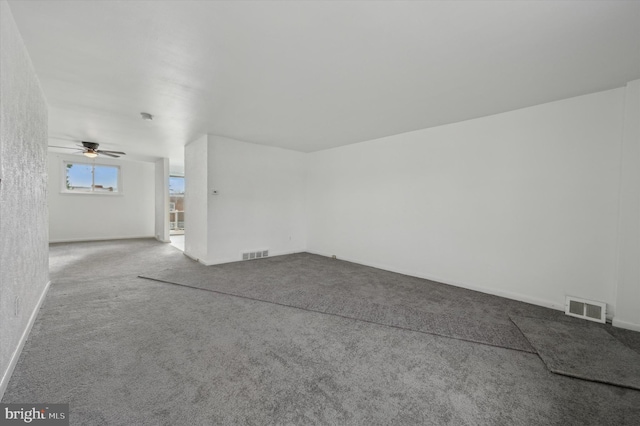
311 75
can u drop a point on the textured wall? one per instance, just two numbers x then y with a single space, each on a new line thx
24 250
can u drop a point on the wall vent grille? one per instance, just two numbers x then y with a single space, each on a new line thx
586 309
257 254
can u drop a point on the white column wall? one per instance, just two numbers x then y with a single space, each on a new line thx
628 291
162 200
195 198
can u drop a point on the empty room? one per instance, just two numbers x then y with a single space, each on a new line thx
320 212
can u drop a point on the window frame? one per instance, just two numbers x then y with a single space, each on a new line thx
93 164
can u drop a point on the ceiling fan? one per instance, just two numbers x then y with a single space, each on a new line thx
90 149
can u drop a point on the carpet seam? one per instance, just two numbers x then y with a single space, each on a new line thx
343 316
589 379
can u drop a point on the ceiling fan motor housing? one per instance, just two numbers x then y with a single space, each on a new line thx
90 145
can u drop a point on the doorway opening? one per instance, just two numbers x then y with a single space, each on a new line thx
176 211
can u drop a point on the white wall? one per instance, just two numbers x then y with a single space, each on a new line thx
522 204
24 251
162 200
628 296
241 197
85 217
195 198
260 201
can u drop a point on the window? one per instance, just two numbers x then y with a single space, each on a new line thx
91 178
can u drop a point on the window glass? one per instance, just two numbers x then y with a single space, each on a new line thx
105 179
93 178
79 177
176 185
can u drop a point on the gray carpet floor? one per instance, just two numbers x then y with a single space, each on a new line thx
320 284
123 351
582 350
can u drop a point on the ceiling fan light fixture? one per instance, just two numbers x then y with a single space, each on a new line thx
90 154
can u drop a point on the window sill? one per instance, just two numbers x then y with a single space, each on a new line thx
108 194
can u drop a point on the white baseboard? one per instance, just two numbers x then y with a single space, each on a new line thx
190 256
220 261
6 375
624 324
82 240
495 292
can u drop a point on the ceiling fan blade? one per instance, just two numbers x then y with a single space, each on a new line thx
63 147
112 152
108 155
